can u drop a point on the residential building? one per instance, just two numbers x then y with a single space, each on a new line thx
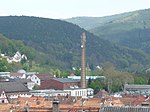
35 79
13 89
39 78
3 97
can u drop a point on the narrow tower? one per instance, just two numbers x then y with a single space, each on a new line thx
83 62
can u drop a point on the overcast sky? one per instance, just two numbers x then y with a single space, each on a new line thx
60 9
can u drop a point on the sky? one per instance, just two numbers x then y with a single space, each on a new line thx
62 9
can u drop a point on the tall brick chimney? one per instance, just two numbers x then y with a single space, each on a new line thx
83 62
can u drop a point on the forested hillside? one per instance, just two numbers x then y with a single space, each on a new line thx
132 31
9 48
58 43
128 29
93 22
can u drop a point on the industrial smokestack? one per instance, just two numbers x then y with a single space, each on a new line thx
83 62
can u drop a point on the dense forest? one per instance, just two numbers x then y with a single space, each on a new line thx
57 44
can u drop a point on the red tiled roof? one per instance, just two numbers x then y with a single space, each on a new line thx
33 98
92 102
138 101
127 101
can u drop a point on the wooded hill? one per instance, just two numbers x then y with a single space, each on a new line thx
130 29
10 47
58 43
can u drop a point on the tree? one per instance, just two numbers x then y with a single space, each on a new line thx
149 81
97 84
77 72
56 72
36 87
3 65
140 80
89 81
115 78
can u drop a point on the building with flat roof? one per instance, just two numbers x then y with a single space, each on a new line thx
125 109
82 92
132 87
60 83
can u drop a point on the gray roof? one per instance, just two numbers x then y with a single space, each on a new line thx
10 87
136 86
66 80
44 76
22 80
125 109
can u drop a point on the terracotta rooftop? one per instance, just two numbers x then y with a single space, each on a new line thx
92 102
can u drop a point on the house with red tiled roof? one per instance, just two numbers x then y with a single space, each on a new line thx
138 101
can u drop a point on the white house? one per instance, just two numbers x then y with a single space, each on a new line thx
3 97
34 79
30 85
16 58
